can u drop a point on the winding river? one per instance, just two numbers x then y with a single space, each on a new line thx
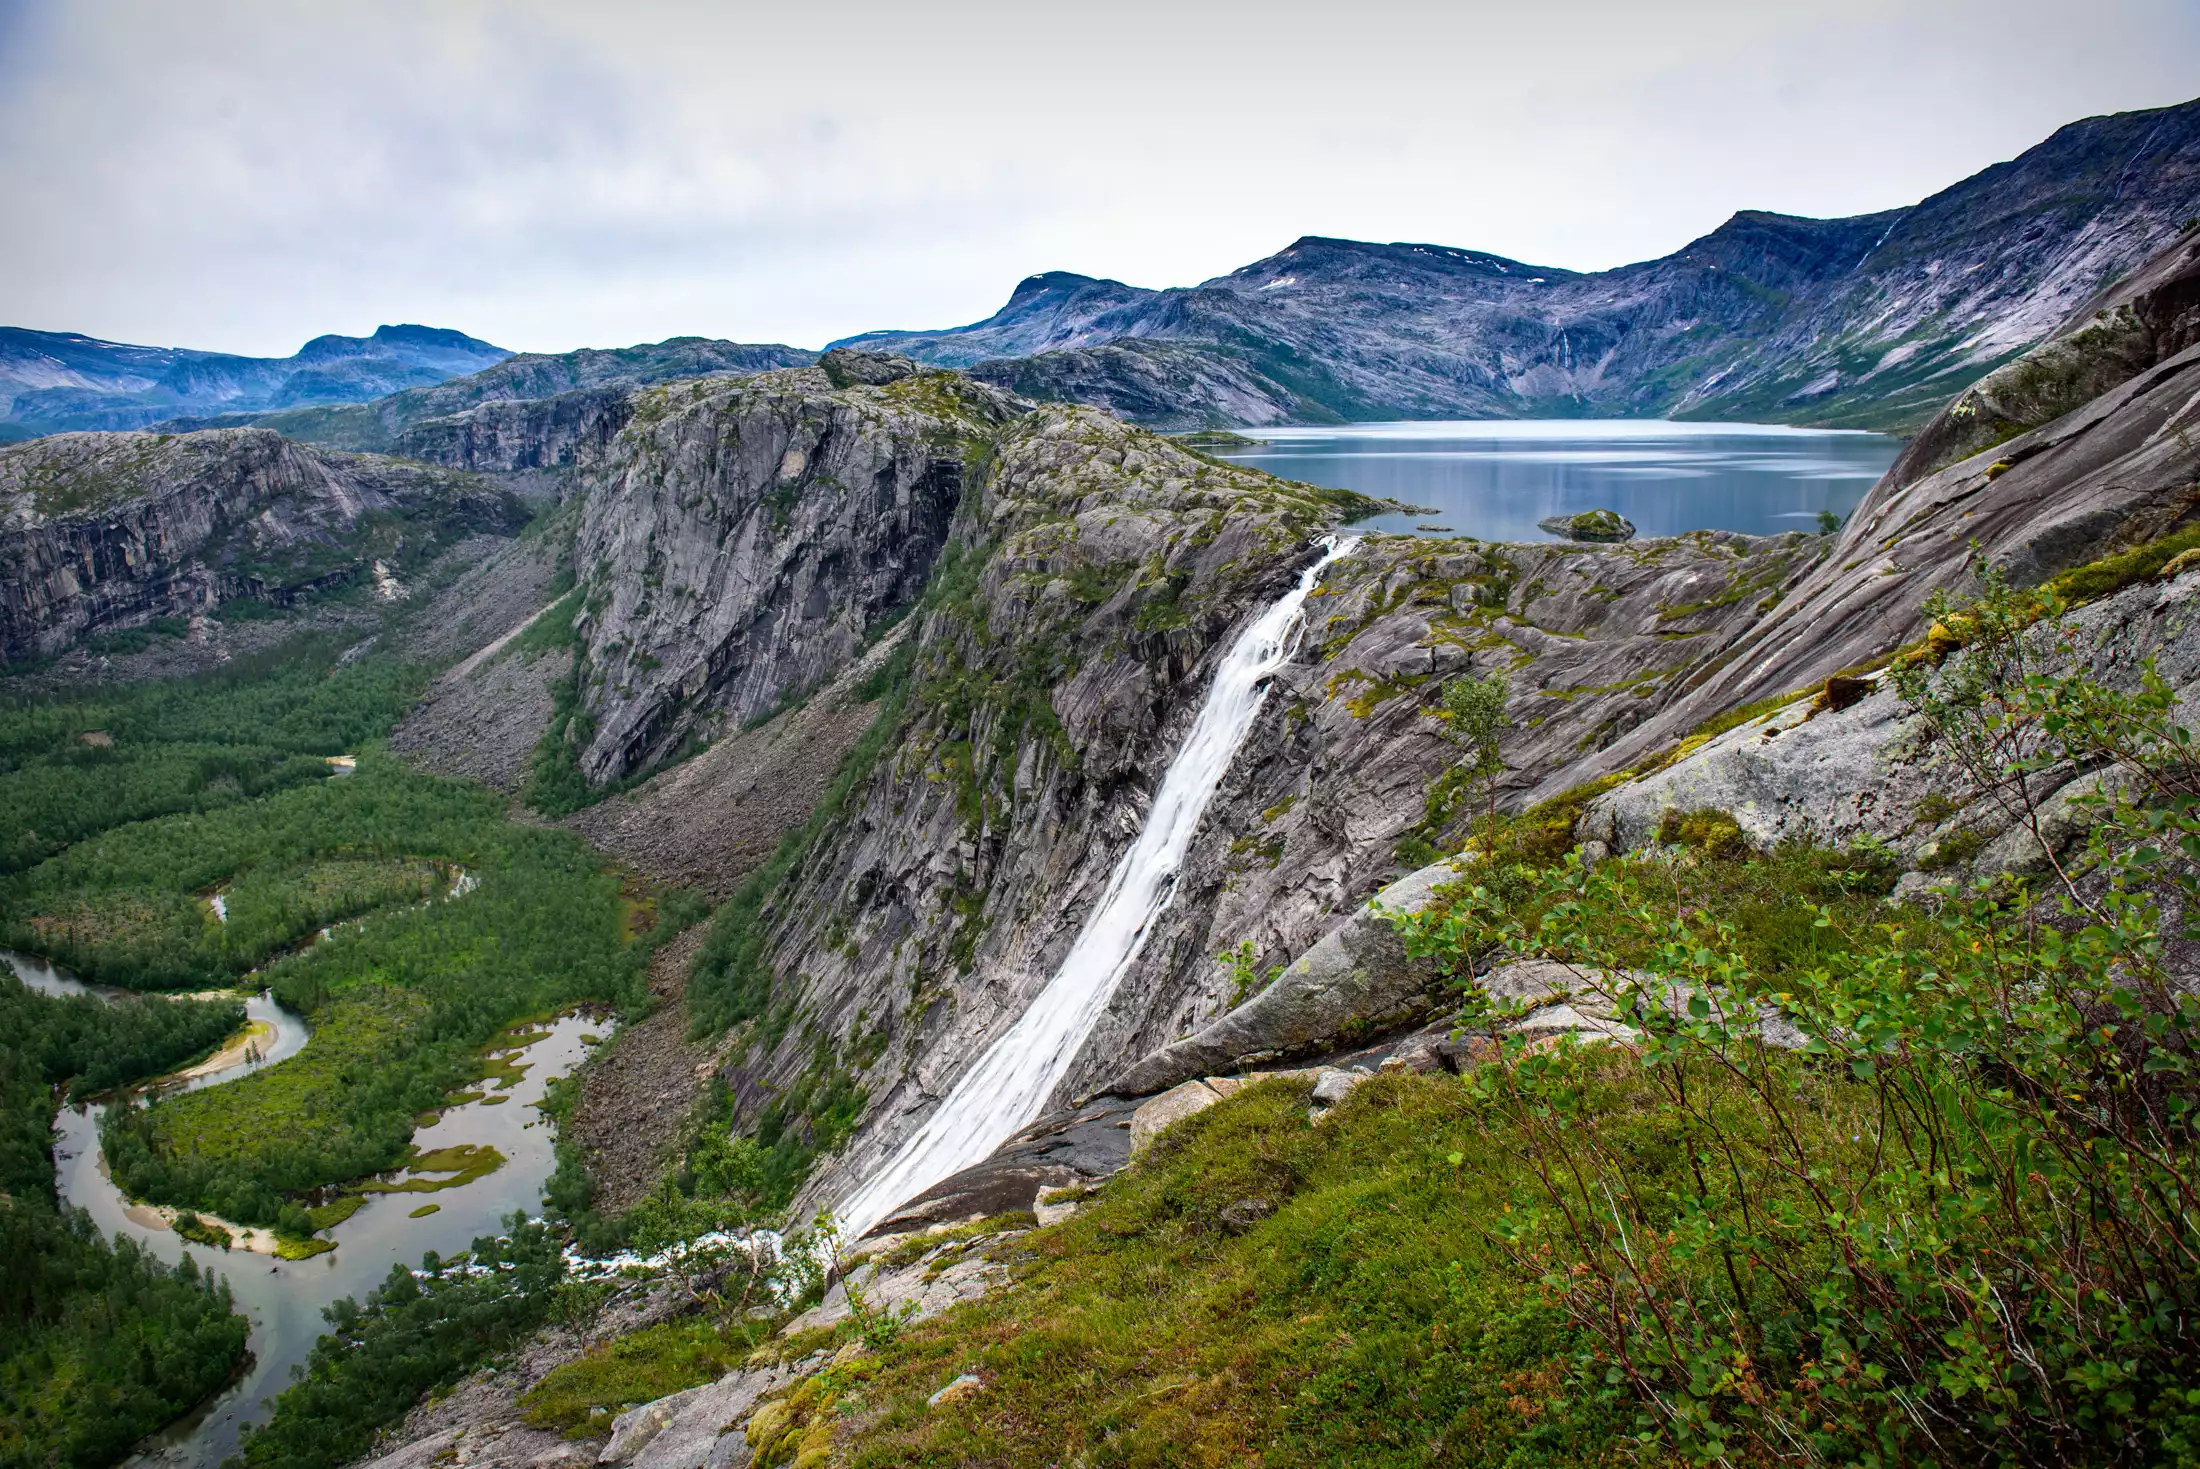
284 1299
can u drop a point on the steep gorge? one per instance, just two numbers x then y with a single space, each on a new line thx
1079 578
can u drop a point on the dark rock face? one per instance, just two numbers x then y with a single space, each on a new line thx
112 530
505 437
1857 322
58 381
741 539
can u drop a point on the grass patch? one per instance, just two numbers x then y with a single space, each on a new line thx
335 1212
1368 1320
581 1397
2111 574
461 1164
301 1247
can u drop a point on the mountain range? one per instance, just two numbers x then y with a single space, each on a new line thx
57 381
1865 322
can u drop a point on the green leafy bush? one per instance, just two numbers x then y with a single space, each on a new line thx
1960 1223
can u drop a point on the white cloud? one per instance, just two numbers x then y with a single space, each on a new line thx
245 175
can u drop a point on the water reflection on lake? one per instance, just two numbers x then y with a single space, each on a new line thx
1494 479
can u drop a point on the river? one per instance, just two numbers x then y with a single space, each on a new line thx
284 1299
1494 479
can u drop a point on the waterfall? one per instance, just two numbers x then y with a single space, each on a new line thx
1012 1080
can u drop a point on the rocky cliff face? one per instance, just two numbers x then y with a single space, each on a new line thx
1868 321
742 539
1093 574
2120 468
505 437
1084 577
112 530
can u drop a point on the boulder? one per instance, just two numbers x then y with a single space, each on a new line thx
1046 1209
1595 1006
633 1430
961 1387
1357 977
1333 1086
1173 1105
703 1416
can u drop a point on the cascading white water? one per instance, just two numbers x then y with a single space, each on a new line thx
1012 1080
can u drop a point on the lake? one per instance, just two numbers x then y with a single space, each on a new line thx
1495 478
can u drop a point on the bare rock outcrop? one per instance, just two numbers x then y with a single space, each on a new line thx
102 531
1835 776
1357 979
744 538
2121 468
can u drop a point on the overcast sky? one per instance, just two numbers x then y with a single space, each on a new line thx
548 175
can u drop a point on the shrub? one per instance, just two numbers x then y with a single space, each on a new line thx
1712 832
1960 1225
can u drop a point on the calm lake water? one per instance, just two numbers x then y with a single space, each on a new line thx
1494 479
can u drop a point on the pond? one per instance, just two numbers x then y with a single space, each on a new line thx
1494 479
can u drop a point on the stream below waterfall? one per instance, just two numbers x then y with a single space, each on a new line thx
284 1299
1008 1087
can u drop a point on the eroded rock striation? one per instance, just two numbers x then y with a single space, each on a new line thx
744 538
